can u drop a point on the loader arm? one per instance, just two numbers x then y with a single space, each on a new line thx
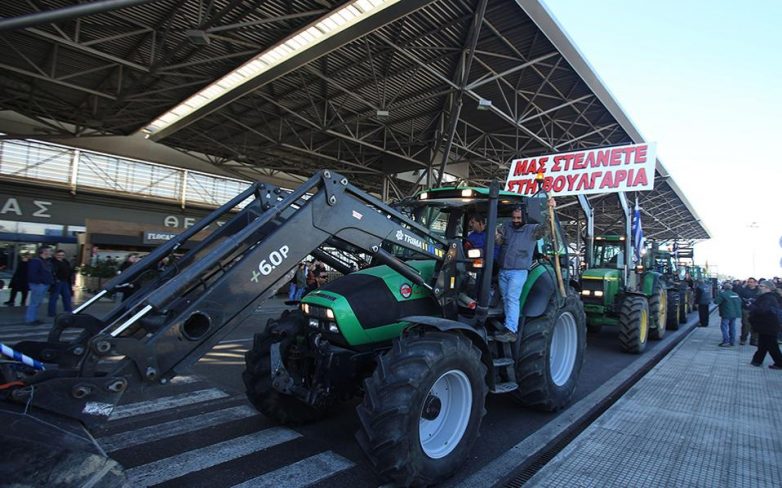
177 317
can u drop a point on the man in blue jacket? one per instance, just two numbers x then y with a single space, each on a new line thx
516 252
40 278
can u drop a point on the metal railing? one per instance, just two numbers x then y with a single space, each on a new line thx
77 168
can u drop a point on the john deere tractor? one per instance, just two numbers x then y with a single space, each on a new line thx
674 276
636 301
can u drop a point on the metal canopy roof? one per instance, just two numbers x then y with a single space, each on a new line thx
426 63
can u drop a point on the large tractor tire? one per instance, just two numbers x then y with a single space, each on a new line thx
551 353
658 311
634 324
257 376
423 407
684 306
674 306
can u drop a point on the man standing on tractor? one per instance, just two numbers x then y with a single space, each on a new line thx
516 252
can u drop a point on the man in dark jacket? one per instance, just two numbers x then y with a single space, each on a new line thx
516 252
748 293
730 310
63 282
765 322
40 278
19 283
703 299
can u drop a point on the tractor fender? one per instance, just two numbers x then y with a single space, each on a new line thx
476 335
649 281
538 295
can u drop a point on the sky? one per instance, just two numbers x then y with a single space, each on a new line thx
701 79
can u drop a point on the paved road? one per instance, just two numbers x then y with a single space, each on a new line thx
200 430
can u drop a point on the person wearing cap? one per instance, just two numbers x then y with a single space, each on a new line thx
729 303
764 318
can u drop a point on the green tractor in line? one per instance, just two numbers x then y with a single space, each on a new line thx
675 277
639 302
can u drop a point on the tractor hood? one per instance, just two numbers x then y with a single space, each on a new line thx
366 306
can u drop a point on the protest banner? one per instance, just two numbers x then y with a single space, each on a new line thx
606 170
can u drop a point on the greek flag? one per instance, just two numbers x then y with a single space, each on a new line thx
638 234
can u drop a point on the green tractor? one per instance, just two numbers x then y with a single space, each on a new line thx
675 278
418 335
638 302
424 365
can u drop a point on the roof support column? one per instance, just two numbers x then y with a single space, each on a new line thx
462 75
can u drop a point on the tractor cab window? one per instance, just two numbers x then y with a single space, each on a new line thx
606 254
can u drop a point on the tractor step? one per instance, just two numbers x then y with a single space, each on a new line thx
505 387
502 362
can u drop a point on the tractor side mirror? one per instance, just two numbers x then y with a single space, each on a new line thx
620 260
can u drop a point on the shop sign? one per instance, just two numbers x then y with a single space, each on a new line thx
157 237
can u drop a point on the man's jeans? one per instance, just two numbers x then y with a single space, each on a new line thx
728 327
60 289
511 283
37 292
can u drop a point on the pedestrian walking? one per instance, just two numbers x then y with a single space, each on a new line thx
729 303
764 317
63 283
703 300
40 278
19 283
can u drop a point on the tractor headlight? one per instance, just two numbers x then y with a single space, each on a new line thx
333 328
305 308
474 253
423 196
313 323
586 293
598 293
330 314
467 194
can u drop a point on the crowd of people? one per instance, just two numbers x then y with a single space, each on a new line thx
757 304
309 275
47 273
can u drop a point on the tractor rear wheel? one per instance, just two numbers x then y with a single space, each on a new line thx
257 376
423 407
658 311
673 310
551 353
634 324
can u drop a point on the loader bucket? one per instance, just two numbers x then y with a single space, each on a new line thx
42 449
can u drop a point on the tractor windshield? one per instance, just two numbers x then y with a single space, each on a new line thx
606 254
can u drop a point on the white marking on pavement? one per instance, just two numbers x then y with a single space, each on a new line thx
206 457
303 473
182 380
248 339
164 403
157 432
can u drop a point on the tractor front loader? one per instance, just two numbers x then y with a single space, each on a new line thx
399 333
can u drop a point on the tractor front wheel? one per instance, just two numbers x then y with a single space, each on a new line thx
257 376
634 324
674 305
658 312
423 407
551 353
